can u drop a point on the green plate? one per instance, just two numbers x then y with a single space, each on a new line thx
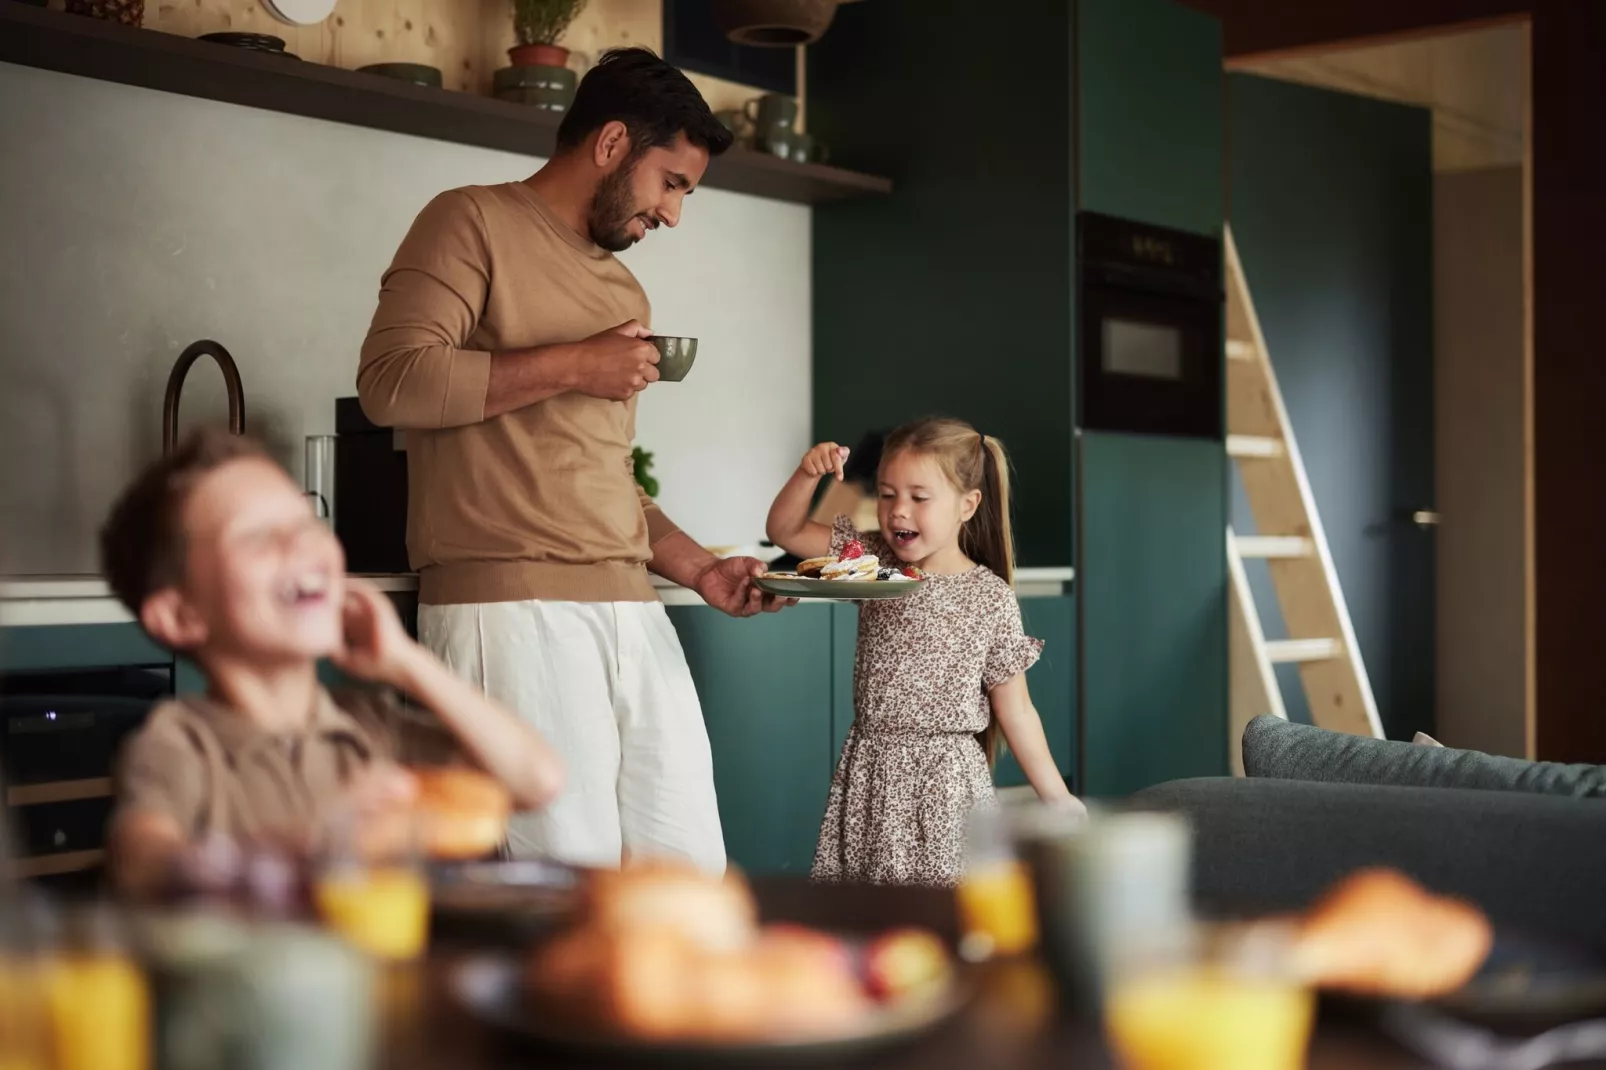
846 590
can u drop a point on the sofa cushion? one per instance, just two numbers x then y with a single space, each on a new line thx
1275 748
1533 862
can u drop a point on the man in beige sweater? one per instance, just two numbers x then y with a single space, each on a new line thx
510 344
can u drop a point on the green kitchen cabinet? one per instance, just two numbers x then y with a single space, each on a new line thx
765 684
952 295
1147 151
78 646
1152 588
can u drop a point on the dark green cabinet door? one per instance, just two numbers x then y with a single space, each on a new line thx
951 296
1151 584
765 688
1149 113
1052 682
77 646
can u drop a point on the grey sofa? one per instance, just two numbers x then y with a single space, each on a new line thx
1535 861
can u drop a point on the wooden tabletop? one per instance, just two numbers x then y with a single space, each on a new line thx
1014 1022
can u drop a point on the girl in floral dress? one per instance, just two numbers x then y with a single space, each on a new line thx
940 672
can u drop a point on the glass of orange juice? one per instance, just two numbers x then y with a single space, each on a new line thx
1224 1002
376 900
997 910
97 999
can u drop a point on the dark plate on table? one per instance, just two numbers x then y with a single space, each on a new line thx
490 987
1525 986
1529 980
1534 1003
519 899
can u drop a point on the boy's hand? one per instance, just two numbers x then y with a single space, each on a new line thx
824 458
379 803
377 647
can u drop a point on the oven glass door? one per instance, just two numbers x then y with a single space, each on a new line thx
1151 362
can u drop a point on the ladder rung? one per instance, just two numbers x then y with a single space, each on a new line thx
1278 546
1254 446
1286 651
1237 350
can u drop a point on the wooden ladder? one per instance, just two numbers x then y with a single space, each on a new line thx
1321 640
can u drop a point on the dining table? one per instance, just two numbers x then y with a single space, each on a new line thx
1014 1018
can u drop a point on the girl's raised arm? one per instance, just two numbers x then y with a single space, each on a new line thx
789 526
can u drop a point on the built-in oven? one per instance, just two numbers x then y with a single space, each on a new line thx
62 730
1150 307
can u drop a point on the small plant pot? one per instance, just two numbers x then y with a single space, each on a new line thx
546 88
538 55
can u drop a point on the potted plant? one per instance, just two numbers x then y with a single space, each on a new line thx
642 461
538 24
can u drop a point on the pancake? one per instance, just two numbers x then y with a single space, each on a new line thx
852 569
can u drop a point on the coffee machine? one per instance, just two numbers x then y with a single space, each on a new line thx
371 491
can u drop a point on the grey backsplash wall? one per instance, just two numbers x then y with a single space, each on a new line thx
134 222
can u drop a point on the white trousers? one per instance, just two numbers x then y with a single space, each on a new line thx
607 684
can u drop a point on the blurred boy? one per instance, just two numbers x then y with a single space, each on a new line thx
218 555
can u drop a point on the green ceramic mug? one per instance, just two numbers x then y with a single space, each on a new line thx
675 356
771 112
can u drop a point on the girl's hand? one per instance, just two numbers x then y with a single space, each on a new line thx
824 458
376 646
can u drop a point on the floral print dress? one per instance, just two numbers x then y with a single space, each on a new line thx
912 768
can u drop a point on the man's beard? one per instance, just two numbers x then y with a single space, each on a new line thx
612 209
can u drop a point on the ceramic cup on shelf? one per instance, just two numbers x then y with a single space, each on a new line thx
736 121
771 112
782 143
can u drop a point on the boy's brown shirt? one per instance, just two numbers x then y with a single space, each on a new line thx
215 772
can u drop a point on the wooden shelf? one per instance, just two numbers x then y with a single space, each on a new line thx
72 44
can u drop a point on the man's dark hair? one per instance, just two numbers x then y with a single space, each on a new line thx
142 544
652 98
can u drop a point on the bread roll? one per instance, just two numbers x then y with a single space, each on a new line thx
461 813
1379 933
715 915
633 985
664 952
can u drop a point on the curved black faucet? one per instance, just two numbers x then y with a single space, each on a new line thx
175 384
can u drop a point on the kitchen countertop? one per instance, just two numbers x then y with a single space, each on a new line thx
85 599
